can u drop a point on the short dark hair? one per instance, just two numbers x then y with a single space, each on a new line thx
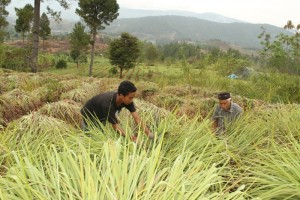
224 95
126 87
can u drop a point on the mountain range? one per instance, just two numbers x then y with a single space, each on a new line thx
172 26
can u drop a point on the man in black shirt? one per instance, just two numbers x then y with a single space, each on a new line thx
104 107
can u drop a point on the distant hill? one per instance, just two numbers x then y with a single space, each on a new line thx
170 26
165 29
138 13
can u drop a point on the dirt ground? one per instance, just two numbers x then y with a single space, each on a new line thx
53 46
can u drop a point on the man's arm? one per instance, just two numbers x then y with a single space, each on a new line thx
119 129
215 125
138 121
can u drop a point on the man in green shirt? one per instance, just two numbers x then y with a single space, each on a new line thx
225 113
105 106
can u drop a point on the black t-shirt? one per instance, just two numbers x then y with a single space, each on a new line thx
104 108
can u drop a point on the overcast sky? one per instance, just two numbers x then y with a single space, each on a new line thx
276 12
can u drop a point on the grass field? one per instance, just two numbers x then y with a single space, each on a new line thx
45 154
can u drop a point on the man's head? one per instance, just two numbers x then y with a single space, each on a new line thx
126 92
224 100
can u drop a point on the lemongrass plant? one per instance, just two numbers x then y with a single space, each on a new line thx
49 160
67 110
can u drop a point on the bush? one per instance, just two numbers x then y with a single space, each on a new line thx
14 58
113 70
61 64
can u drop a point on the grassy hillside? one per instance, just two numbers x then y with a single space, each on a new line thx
45 155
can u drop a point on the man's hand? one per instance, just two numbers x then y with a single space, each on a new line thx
133 138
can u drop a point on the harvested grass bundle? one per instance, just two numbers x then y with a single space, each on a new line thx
33 132
70 84
146 90
41 93
52 91
67 110
88 90
80 94
176 90
26 81
35 125
16 103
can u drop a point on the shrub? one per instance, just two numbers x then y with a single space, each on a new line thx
61 64
14 58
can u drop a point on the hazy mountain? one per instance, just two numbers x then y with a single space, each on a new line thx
170 26
164 29
137 13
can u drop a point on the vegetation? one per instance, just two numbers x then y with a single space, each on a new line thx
3 15
96 14
24 20
36 31
45 30
45 154
79 42
61 64
124 52
282 53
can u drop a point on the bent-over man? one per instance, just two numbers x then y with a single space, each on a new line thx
225 113
105 106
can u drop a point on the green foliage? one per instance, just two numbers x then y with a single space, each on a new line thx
15 59
113 70
75 54
149 53
46 60
61 64
96 14
78 38
45 30
179 50
79 42
3 22
24 20
283 53
124 52
77 57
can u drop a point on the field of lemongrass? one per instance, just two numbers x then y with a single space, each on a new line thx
45 155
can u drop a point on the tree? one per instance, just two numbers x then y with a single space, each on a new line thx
45 30
124 52
283 52
96 14
151 54
24 20
79 41
36 29
3 15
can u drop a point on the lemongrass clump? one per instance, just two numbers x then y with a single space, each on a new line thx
40 93
120 171
88 90
29 81
275 174
70 84
35 130
16 103
79 95
67 110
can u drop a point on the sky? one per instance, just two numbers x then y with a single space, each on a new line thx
275 12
